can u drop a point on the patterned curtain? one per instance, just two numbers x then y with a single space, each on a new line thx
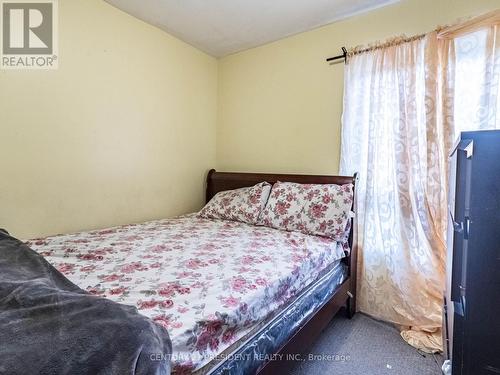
391 136
404 103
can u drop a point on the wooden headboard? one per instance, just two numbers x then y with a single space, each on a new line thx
221 181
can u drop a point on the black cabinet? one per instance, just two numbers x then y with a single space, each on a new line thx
472 299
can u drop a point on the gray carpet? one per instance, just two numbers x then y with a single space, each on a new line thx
365 346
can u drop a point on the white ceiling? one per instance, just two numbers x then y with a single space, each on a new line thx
222 27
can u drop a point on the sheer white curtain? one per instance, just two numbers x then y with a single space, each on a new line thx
391 136
404 104
470 58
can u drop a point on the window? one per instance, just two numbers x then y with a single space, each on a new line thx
477 89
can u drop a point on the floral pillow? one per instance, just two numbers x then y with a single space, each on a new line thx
320 210
243 204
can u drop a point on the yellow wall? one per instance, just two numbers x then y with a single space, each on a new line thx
280 105
123 132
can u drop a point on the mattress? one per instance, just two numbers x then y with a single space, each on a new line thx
211 283
251 353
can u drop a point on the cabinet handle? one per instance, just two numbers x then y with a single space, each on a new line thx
466 227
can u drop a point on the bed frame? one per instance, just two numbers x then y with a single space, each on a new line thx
345 296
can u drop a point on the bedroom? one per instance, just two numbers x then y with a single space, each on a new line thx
136 102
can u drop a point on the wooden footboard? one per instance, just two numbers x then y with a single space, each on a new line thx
345 296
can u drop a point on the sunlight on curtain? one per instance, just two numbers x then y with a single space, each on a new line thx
475 73
391 136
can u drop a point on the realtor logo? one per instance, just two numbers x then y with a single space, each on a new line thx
29 34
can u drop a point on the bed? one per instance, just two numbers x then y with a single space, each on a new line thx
235 298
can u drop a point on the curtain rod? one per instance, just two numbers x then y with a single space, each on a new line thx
343 56
379 45
489 18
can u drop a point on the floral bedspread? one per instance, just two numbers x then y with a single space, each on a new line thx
209 282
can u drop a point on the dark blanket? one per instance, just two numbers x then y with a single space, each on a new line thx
50 326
